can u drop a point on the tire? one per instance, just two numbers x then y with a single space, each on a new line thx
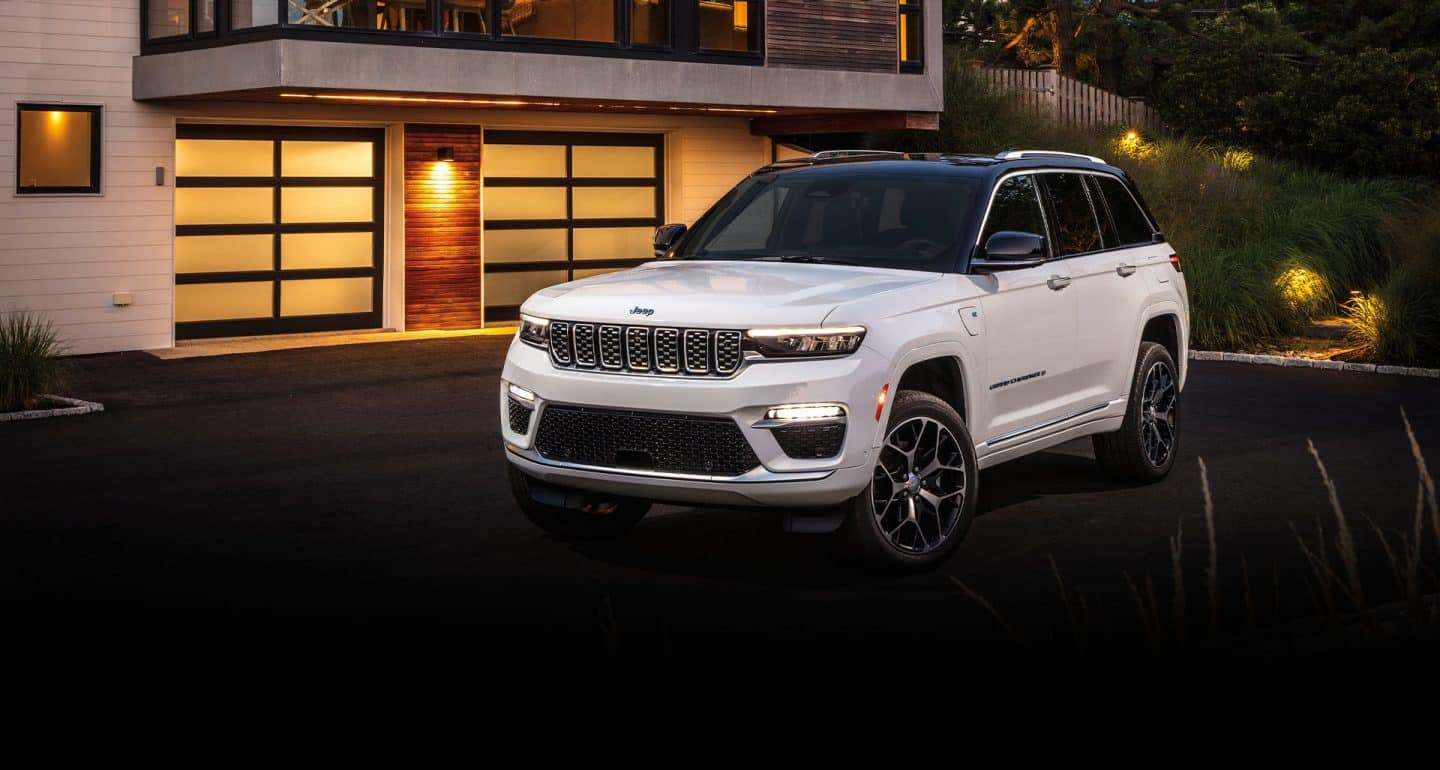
584 515
902 538
1139 450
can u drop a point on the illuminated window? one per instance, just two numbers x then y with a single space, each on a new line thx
650 22
59 149
730 25
912 36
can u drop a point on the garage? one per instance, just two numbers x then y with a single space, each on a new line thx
278 229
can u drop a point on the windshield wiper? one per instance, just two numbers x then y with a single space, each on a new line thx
815 259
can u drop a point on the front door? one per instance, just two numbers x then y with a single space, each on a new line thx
1029 318
277 229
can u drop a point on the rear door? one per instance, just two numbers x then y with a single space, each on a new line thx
1029 326
1110 286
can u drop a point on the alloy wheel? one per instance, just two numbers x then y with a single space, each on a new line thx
919 485
1157 414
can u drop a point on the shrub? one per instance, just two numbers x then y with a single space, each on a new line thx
30 362
1400 322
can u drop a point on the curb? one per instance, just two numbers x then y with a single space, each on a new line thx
1309 363
76 407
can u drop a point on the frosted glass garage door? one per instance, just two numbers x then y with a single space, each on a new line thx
562 206
277 229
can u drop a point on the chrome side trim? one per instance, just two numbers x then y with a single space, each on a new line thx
758 474
1042 426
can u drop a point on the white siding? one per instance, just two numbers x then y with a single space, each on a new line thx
65 256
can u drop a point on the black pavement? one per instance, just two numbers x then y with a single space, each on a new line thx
355 496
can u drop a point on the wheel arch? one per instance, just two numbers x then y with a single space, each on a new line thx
943 371
1164 324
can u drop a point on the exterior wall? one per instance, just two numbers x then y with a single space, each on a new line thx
65 256
859 35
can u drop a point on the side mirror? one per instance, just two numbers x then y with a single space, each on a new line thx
665 237
1011 250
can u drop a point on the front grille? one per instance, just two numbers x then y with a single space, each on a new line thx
520 416
646 349
711 446
810 442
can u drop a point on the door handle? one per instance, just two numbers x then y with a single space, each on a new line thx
1057 282
1125 270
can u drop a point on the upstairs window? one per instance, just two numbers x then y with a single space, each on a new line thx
912 36
730 25
59 149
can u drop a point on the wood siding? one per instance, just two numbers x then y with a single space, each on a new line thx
442 229
857 35
65 256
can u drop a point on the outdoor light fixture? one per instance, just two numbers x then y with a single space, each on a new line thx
445 154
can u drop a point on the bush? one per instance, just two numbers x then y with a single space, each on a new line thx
1266 244
1400 323
30 362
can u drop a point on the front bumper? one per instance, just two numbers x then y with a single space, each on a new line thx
780 480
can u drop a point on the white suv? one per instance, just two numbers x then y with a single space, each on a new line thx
852 339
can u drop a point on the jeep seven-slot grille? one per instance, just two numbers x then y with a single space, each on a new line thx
672 443
646 349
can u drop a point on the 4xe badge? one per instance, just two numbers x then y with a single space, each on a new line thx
645 311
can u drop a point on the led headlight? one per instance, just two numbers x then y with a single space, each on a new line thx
534 331
818 341
802 412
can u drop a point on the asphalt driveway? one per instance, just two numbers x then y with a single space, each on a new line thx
355 496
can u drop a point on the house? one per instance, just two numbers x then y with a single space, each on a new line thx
180 169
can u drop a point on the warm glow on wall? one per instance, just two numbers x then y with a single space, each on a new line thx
442 178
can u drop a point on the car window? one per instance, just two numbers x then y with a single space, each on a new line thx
1077 229
1017 208
751 228
1130 222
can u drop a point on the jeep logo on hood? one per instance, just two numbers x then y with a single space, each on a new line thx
645 311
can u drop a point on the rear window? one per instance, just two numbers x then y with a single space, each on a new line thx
1130 222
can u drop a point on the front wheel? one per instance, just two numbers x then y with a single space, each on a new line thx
921 496
1144 448
574 515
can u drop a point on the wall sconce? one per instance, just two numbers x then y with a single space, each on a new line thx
446 154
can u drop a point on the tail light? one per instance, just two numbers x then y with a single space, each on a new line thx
1175 262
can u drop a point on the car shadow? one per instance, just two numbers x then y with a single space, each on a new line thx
749 546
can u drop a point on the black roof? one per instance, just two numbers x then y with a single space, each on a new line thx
965 164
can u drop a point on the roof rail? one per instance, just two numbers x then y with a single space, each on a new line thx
827 154
1019 154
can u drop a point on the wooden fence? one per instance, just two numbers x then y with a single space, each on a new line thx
1071 102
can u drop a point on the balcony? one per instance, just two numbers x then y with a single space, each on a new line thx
821 61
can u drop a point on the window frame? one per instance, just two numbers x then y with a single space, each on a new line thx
97 147
684 34
910 8
1049 214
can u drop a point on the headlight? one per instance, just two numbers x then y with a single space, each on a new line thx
534 331
819 341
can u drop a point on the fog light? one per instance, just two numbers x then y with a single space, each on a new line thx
806 412
521 393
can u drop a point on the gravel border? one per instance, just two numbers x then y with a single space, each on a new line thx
1309 363
76 407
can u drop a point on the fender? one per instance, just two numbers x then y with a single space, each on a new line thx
950 348
1154 310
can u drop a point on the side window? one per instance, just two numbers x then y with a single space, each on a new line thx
1077 229
59 149
1130 222
1016 208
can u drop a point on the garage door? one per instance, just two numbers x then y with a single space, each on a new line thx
561 206
277 229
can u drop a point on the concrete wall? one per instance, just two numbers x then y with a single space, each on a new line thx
310 64
65 256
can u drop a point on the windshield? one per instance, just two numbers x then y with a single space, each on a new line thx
873 219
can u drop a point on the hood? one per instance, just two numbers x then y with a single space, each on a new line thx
718 293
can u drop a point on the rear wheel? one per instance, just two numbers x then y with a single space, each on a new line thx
1144 448
921 496
572 514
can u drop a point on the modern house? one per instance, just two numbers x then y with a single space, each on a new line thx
178 169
